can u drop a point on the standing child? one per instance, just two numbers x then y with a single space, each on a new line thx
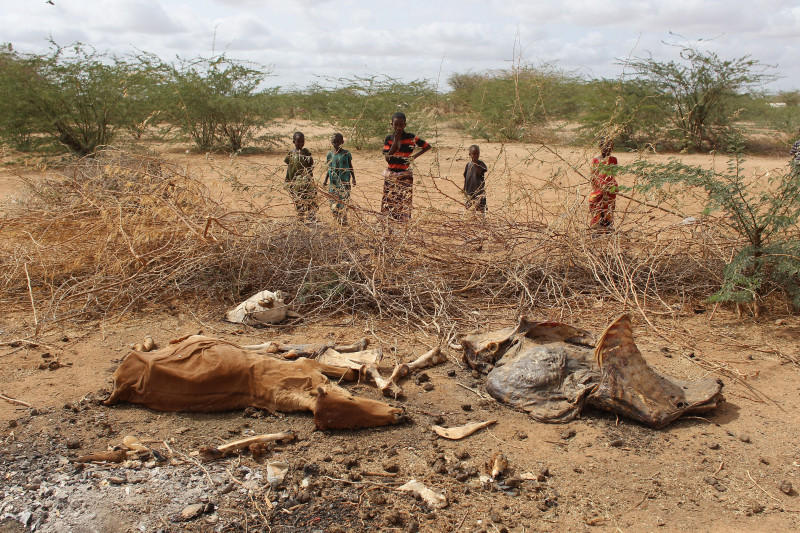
475 180
300 179
339 178
603 197
398 179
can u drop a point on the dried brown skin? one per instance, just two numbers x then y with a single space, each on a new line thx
202 374
546 369
482 350
629 386
548 381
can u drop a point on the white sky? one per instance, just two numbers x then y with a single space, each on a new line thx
412 39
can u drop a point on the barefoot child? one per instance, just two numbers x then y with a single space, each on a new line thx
339 178
398 179
475 180
300 179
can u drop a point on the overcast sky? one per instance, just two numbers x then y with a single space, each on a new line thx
304 39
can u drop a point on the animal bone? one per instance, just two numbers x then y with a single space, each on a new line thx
497 465
460 432
261 309
433 499
311 350
428 359
388 387
133 444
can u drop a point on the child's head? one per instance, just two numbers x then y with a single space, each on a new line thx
398 122
337 139
474 153
606 145
298 139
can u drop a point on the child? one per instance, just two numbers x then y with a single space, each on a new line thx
300 179
603 197
475 180
339 178
398 179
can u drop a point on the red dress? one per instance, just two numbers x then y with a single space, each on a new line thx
603 196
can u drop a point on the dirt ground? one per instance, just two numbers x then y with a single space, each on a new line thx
736 468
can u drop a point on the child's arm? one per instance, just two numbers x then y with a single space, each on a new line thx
352 172
421 151
328 168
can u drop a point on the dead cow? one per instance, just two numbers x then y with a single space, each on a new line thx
203 374
552 370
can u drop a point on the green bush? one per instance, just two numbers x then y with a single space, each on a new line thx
361 107
215 102
75 96
762 211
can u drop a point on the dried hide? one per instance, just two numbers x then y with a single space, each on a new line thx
629 386
261 309
202 374
548 370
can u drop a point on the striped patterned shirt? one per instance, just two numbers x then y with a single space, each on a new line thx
399 161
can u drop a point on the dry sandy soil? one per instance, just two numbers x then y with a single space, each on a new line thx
732 469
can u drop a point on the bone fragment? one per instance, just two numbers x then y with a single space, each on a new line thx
133 444
433 499
148 344
431 358
276 472
116 456
14 401
211 453
359 346
497 465
428 359
387 387
460 432
244 443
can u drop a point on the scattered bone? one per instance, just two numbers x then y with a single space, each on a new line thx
276 472
433 499
457 433
117 456
354 360
14 401
497 465
148 343
133 444
261 309
388 387
210 453
428 359
310 350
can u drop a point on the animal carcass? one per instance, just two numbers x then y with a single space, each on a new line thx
551 371
261 309
203 374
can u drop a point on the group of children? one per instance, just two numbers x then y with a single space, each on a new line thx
398 178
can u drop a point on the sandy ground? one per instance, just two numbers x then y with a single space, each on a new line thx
728 470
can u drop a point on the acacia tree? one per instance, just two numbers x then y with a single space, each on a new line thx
761 210
73 95
692 92
214 100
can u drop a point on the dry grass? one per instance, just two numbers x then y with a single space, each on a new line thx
108 234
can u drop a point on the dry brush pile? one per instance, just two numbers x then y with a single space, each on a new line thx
113 233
